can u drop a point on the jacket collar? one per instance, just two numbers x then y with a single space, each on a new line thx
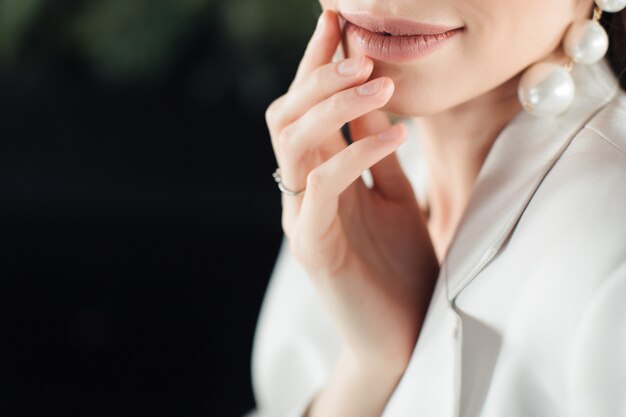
521 156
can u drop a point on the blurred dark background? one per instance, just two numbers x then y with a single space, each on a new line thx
140 222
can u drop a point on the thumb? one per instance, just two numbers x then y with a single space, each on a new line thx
388 177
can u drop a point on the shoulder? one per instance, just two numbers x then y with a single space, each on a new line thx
591 172
609 124
577 212
605 132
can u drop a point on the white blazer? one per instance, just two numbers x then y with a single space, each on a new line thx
528 317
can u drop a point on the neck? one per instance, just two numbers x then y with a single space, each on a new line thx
455 144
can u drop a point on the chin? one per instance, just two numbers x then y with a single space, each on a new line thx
405 104
416 94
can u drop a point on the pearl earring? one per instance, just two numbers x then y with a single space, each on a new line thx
547 89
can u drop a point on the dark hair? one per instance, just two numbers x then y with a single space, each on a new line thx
615 25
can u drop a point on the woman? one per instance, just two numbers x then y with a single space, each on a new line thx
481 269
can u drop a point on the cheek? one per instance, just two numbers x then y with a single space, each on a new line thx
518 33
426 91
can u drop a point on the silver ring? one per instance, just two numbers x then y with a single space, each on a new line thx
281 187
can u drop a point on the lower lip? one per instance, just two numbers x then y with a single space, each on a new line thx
396 48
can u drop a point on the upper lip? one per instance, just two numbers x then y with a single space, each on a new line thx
394 26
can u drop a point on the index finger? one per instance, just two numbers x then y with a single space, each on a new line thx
321 47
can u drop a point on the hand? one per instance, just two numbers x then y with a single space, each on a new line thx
367 251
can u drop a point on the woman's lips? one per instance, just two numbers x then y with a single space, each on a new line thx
393 26
395 39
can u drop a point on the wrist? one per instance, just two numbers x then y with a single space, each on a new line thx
357 387
386 369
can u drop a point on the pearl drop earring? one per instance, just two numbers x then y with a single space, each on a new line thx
547 89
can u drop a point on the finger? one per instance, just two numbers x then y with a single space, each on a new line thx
326 182
316 54
327 117
296 141
320 127
369 124
339 54
388 176
321 47
322 83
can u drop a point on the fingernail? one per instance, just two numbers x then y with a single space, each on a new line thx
393 133
349 66
371 88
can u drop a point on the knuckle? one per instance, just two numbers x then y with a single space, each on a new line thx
271 113
295 247
352 153
317 77
334 103
286 140
315 181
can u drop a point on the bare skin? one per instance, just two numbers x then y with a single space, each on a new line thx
454 161
455 145
463 96
372 254
367 251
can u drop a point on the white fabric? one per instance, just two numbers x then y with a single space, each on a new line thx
528 317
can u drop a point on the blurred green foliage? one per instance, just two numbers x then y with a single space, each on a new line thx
123 37
250 45
16 17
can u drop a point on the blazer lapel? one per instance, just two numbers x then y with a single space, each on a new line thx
520 158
